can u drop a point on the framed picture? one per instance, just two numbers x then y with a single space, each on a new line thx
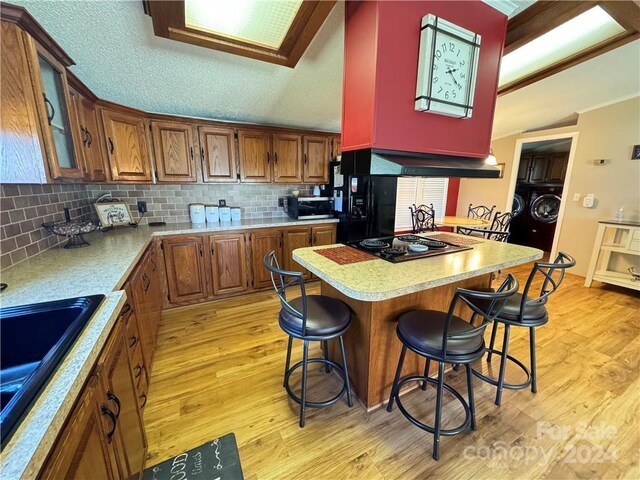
501 168
635 153
113 214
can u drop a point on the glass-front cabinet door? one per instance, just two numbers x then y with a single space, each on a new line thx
62 153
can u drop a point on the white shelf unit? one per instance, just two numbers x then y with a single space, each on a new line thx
617 247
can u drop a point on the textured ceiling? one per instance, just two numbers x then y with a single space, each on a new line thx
120 59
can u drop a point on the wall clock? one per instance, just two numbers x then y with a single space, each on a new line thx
447 68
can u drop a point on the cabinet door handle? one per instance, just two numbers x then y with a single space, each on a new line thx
305 159
84 135
268 158
212 250
49 105
89 137
275 158
146 282
191 152
139 369
281 235
202 152
105 411
113 398
144 397
314 240
200 247
125 309
132 341
111 147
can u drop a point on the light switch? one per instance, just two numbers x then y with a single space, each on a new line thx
576 197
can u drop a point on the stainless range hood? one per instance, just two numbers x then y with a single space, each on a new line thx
396 163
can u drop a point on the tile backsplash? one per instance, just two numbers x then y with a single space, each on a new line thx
170 203
23 210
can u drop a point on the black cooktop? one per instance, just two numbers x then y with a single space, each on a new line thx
401 248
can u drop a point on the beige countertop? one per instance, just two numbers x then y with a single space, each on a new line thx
375 280
101 268
105 265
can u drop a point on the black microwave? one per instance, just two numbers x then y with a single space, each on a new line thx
302 208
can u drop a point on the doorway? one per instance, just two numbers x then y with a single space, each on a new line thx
538 189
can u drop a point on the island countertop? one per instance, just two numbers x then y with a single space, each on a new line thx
377 279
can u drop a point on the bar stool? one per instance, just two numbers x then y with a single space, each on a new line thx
524 311
447 338
309 318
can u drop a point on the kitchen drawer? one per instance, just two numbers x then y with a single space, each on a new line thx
132 332
138 368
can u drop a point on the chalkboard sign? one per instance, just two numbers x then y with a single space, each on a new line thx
215 460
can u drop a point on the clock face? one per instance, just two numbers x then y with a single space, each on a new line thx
452 67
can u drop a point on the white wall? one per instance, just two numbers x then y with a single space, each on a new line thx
608 132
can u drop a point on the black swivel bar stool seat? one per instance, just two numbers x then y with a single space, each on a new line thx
309 318
447 338
522 310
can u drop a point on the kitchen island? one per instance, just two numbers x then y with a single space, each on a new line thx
378 291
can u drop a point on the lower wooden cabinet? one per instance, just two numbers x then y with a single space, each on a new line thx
185 267
263 242
232 263
104 436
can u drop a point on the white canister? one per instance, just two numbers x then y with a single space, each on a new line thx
196 213
211 213
225 214
236 214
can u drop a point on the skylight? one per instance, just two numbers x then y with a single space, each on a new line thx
579 33
259 22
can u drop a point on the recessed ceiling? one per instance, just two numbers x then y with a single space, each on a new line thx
120 59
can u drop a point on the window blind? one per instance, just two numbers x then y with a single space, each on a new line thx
419 190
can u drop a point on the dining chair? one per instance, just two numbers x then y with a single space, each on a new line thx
501 221
496 235
480 211
423 218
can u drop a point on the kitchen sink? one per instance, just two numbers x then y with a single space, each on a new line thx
33 341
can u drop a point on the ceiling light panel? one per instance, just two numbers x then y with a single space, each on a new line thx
579 33
262 22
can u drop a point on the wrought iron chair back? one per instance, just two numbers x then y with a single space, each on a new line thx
480 211
497 235
501 221
423 218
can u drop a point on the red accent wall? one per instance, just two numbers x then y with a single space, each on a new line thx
452 197
381 52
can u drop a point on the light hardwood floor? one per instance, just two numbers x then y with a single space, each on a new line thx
219 366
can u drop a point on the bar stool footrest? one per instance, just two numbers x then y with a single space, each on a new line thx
324 403
510 386
451 431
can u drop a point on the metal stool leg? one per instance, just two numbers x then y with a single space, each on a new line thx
325 354
532 351
286 365
397 377
426 373
303 396
436 434
346 372
494 330
472 406
503 364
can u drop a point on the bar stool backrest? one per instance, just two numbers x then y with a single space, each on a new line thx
552 275
423 218
282 281
497 235
480 211
487 305
501 221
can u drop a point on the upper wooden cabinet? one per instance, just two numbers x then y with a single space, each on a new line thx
336 146
557 169
255 156
173 151
218 154
126 145
91 154
316 159
287 158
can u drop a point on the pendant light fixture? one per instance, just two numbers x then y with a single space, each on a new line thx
491 159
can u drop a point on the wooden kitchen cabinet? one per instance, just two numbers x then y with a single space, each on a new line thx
557 169
218 154
254 148
90 155
336 147
82 450
323 235
173 151
263 242
228 256
316 159
126 146
296 237
127 433
543 168
287 158
185 268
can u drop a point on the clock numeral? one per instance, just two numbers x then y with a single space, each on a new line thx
446 95
462 62
438 54
452 46
462 75
435 67
444 47
435 79
458 54
440 90
453 94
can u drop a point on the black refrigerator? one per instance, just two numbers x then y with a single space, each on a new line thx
365 204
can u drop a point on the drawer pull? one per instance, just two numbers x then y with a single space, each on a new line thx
143 396
132 341
139 368
105 411
146 281
125 309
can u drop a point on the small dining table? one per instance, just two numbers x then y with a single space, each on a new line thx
462 222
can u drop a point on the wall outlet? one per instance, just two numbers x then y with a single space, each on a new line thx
576 197
281 201
142 207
